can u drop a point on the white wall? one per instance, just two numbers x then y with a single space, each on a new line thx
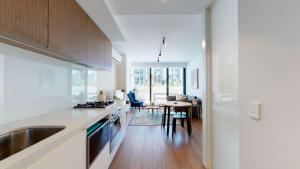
32 84
194 63
224 53
121 77
269 35
108 82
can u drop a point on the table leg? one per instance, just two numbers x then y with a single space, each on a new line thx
168 121
189 123
164 116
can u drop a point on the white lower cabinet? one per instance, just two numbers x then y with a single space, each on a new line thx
102 161
70 155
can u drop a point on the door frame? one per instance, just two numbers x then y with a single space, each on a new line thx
207 88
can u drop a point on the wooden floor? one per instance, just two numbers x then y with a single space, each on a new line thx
148 147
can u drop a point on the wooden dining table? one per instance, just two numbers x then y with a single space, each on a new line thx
167 113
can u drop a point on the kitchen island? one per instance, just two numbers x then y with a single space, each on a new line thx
67 148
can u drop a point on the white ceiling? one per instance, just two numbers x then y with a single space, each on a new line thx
99 11
158 7
144 35
143 23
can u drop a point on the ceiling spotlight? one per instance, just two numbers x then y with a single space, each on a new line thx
157 59
164 41
159 53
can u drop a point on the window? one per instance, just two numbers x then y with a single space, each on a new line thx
164 82
141 83
175 81
159 85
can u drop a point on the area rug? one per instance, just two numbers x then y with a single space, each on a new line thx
145 118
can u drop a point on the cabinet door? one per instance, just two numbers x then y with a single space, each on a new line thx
67 29
95 46
102 161
70 155
25 20
108 55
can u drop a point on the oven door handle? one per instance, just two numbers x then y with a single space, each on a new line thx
114 119
99 128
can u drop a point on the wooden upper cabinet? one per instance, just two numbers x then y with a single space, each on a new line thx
57 28
67 29
25 20
108 55
95 46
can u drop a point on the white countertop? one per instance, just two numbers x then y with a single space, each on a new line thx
75 121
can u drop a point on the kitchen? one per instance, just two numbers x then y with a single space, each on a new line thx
52 54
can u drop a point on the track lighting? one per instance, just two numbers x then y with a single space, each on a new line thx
164 43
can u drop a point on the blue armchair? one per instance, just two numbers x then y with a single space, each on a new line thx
133 102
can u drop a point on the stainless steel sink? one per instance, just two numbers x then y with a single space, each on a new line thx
18 140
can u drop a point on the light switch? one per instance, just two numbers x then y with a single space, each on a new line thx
254 110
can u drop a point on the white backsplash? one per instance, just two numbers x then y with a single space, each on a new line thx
32 84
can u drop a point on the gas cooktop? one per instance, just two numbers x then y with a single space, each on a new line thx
91 105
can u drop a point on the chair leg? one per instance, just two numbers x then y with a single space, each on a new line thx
168 121
189 126
164 117
173 127
163 120
182 122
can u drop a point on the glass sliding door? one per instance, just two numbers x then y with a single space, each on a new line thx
176 81
140 82
156 83
159 85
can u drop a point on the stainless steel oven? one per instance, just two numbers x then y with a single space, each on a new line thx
97 137
115 128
